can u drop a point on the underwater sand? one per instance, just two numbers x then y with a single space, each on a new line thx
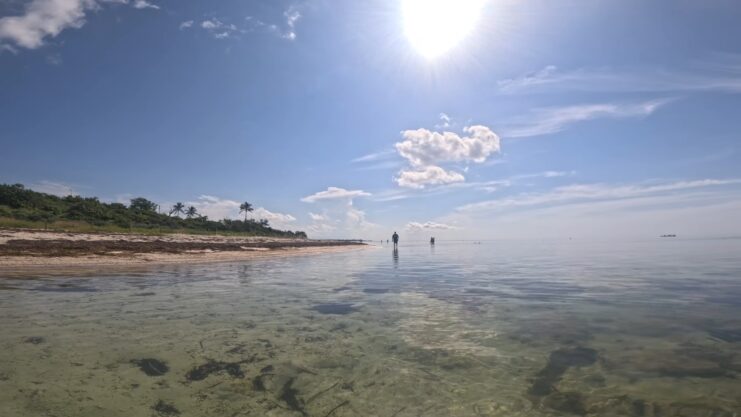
646 328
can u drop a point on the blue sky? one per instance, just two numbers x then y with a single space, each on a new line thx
541 119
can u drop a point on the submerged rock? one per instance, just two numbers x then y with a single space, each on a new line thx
335 308
566 402
559 362
34 340
151 367
165 409
202 372
290 396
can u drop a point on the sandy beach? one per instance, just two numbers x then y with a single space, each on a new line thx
29 250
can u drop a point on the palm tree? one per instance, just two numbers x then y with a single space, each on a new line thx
178 208
245 208
191 212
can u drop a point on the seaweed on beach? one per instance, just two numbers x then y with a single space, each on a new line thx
151 367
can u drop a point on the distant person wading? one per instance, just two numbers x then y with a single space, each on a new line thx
395 238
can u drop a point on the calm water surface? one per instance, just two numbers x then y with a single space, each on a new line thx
644 328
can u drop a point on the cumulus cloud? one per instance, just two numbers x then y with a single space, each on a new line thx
48 18
429 175
339 216
426 150
318 217
428 226
334 193
219 29
220 208
279 220
423 147
44 18
187 24
143 4
555 119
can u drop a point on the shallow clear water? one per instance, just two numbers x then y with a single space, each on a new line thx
649 328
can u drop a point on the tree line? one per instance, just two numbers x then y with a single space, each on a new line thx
21 203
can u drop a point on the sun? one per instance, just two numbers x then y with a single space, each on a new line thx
434 27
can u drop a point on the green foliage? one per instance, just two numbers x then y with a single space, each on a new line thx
21 207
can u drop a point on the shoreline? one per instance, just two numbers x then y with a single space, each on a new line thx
25 252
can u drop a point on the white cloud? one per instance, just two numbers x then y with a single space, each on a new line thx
423 147
429 175
292 16
375 156
279 220
425 150
219 208
445 121
318 217
187 24
44 19
555 119
54 188
339 216
334 193
428 226
719 73
219 29
585 192
143 4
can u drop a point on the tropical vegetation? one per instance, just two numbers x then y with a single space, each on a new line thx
22 207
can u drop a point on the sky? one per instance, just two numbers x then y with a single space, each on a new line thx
466 119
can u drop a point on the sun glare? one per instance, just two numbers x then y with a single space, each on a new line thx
434 27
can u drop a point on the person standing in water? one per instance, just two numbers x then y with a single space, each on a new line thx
395 238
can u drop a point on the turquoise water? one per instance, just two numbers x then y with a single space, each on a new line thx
554 328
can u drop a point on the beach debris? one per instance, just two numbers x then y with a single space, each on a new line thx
151 366
202 372
34 340
335 308
559 362
165 409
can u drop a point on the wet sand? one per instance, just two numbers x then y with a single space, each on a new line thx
36 251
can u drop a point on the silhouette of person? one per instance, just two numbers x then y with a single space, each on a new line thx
432 241
395 238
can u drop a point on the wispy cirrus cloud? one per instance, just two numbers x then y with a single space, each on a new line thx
720 73
56 188
592 192
334 193
43 19
551 120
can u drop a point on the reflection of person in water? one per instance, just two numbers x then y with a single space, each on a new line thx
432 241
395 254
395 238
